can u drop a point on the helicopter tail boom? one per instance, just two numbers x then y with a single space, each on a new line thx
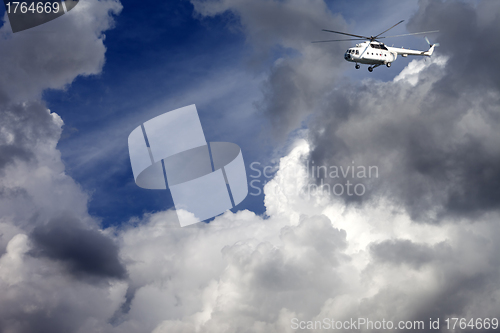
406 52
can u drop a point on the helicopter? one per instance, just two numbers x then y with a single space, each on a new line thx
375 53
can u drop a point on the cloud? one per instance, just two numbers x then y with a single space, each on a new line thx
40 292
33 183
37 297
411 73
430 131
85 251
311 258
22 126
52 55
458 22
313 255
402 251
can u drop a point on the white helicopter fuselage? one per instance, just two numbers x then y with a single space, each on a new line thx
376 53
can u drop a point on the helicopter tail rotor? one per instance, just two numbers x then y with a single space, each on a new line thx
428 42
431 47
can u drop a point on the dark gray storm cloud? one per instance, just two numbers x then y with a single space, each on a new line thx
84 251
433 141
469 37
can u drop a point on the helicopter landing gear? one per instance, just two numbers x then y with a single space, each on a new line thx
371 68
357 66
388 64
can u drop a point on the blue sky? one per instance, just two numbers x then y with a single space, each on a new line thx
158 58
162 56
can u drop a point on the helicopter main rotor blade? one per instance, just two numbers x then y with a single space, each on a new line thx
415 33
343 33
335 40
389 29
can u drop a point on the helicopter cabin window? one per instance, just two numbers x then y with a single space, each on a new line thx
357 51
378 46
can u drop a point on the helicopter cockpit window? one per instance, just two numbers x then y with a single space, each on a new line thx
357 51
383 47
